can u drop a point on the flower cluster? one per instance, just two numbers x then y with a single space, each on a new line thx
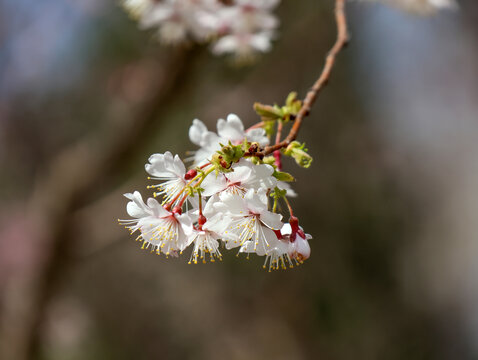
227 199
239 27
423 7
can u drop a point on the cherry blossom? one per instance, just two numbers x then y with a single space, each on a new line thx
233 185
230 130
252 224
162 230
241 27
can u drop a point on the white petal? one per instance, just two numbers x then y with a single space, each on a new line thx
257 135
157 209
232 129
272 220
232 204
213 185
286 229
240 174
218 224
197 131
256 202
136 207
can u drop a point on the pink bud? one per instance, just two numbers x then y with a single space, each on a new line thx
190 174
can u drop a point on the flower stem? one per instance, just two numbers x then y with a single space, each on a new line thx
288 206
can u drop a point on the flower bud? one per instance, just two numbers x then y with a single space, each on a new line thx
190 174
299 153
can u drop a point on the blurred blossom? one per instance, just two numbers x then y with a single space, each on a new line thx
241 28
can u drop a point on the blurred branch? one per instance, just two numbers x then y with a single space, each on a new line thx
340 43
72 177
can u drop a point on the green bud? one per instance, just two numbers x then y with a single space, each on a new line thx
268 112
270 160
283 176
220 165
228 154
299 153
292 107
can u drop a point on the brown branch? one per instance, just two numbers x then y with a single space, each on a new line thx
340 43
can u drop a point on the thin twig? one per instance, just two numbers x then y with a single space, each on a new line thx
340 43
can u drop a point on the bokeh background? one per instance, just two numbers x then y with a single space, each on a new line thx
391 199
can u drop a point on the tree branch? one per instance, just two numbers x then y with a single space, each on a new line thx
340 43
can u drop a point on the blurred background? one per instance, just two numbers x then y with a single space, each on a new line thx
391 199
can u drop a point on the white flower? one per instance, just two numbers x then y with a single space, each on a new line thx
231 130
205 242
278 256
299 248
243 27
291 247
204 238
171 170
244 176
162 230
252 224
176 19
423 7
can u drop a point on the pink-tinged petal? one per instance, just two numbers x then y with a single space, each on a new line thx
299 249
